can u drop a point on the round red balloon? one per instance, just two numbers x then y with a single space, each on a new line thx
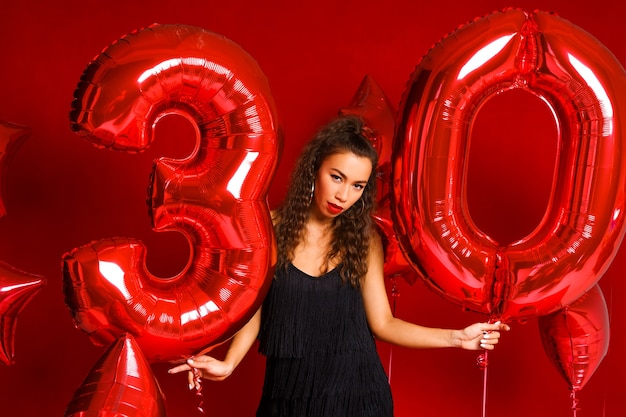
578 237
216 197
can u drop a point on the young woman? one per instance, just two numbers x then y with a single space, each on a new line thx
328 302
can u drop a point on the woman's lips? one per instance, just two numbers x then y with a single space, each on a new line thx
334 209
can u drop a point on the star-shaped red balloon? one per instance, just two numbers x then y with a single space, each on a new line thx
371 105
120 384
11 137
16 289
576 338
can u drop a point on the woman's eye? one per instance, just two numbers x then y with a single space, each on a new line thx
335 177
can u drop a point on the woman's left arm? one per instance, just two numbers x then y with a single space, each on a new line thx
399 332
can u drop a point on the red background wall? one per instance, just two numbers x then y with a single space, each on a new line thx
61 192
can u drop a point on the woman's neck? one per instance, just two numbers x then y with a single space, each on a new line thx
311 253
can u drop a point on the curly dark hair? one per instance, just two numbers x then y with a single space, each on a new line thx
355 225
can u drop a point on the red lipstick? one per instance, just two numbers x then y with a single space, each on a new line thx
334 209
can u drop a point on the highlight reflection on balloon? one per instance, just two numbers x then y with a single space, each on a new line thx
576 338
17 288
578 237
216 197
371 104
121 384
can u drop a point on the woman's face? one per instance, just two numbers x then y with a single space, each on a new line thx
340 182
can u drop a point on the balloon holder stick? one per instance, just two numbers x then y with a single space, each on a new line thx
483 362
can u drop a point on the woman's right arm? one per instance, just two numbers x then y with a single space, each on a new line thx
216 370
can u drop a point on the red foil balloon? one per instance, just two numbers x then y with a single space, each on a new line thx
120 384
11 138
216 197
578 237
576 338
17 288
371 104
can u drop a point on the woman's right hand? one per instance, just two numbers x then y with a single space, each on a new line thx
206 367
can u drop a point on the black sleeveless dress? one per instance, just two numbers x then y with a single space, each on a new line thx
321 356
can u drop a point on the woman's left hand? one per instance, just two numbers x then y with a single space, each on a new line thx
481 335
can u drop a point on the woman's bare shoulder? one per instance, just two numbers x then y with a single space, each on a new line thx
274 214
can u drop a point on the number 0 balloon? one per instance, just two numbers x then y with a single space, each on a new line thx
216 197
575 242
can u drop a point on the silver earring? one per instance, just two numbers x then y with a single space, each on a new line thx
312 191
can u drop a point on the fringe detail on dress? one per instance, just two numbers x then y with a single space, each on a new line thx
317 316
321 356
368 405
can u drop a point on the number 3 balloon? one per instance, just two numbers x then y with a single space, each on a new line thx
567 253
216 197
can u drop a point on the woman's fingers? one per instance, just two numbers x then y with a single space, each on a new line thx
203 367
179 368
489 339
192 380
497 326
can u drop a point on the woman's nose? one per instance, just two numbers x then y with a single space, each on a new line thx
342 194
